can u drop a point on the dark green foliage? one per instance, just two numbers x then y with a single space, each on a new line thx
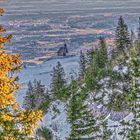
44 134
89 56
122 38
90 78
117 102
131 130
84 125
40 91
29 99
82 122
97 65
102 53
100 58
36 96
58 85
119 87
118 90
46 102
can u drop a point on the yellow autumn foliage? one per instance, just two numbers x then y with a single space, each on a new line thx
15 124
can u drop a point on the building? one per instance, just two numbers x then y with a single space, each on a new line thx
62 51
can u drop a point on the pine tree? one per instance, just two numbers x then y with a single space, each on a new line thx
14 122
90 78
72 111
29 99
113 84
131 128
84 125
89 57
97 66
36 96
102 53
118 86
122 37
58 85
42 97
40 93
100 60
82 65
119 82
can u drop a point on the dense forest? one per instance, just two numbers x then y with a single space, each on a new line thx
106 90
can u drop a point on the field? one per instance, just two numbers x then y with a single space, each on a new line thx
40 28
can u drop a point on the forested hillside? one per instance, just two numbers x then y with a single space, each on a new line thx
98 100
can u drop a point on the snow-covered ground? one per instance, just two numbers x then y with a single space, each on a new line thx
57 122
42 72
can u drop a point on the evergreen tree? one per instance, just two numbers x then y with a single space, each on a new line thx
45 101
131 128
72 109
119 81
122 37
58 85
118 86
40 92
84 125
113 85
35 96
90 78
89 57
82 65
29 99
44 134
97 66
102 53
